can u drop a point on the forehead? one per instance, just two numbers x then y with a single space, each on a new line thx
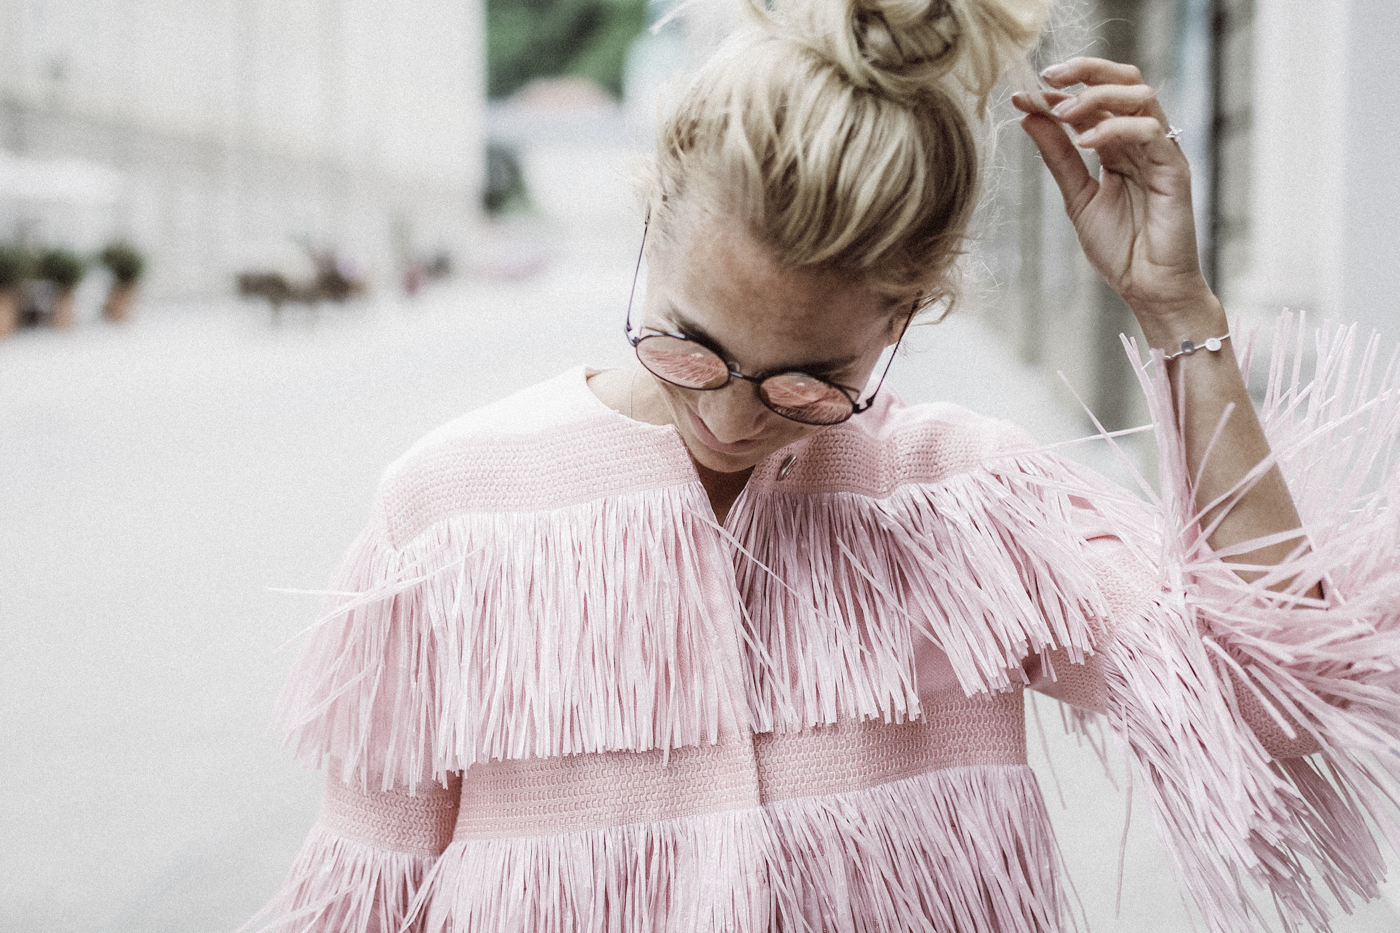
713 273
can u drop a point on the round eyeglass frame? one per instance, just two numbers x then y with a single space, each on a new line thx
850 394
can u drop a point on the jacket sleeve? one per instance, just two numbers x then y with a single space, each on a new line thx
1129 589
1265 724
362 700
365 864
366 688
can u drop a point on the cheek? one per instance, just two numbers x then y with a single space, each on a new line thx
676 398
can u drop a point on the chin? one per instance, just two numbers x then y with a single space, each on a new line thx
773 437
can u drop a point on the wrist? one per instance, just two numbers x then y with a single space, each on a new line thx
1165 327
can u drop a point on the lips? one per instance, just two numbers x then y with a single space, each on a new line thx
703 434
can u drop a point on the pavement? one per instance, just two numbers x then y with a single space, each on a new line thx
164 484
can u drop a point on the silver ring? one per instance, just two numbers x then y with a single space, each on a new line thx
1174 133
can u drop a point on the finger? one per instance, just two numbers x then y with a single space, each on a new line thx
1023 102
1084 70
1129 100
1130 130
1063 160
1081 121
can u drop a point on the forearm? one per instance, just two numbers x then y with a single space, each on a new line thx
1222 438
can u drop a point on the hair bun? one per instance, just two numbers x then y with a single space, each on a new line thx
906 36
902 47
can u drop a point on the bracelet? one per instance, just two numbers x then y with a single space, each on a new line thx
1190 346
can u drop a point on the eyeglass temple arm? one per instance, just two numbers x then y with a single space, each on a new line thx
859 407
636 273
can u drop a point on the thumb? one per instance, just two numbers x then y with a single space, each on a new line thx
1066 166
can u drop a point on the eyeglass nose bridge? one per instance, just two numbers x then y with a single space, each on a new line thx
735 374
755 382
758 397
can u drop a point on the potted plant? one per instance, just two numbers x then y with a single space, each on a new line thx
14 268
64 269
127 265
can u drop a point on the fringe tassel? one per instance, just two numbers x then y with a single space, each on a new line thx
681 876
345 886
605 626
1234 821
617 624
959 849
988 565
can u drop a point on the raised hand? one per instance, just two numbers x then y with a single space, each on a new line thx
1134 221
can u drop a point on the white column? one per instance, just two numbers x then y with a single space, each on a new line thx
1368 274
1299 147
1325 215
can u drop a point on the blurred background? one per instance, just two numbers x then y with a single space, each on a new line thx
251 250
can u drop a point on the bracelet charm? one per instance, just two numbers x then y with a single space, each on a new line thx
1188 346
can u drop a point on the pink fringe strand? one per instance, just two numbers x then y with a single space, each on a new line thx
1236 823
958 849
336 884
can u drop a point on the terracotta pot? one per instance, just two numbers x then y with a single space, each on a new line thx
119 300
9 311
62 314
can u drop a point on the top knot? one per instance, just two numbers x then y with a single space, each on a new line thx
929 40
902 48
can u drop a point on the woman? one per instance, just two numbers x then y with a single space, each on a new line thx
730 640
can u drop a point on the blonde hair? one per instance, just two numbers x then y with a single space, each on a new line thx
841 132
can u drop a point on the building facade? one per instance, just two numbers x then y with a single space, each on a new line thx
241 131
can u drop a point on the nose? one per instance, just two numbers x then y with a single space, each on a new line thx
733 413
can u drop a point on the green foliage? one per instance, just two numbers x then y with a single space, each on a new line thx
63 267
528 39
124 261
16 264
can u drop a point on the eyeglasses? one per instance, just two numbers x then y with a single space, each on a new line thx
802 397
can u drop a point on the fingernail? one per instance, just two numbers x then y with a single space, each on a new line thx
1053 72
1088 137
1065 106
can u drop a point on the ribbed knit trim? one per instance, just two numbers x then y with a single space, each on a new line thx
890 446
414 824
582 792
549 796
954 732
532 473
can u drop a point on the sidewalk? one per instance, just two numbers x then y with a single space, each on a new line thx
159 479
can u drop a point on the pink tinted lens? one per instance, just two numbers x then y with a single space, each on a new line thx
806 399
682 362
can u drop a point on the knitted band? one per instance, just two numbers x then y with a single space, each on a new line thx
532 797
420 824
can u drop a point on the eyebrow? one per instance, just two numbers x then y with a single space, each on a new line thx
700 335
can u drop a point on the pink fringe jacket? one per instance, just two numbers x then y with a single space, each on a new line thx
557 696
